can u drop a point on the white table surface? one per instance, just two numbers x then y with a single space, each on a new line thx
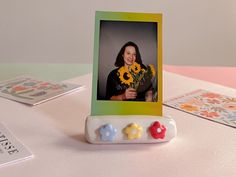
54 132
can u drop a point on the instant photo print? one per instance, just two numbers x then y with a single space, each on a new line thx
127 81
133 40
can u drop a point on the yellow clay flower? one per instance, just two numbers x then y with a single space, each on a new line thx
133 131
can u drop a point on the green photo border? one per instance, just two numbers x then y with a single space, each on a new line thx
106 107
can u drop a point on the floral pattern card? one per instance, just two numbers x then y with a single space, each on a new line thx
212 106
34 91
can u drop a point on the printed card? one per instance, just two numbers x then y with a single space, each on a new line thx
33 91
11 150
212 106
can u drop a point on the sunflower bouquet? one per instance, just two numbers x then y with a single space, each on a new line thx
137 77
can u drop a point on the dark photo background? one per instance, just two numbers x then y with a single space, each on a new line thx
113 35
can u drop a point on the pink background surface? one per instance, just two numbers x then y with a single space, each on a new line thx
220 75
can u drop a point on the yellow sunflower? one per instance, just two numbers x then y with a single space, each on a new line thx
135 67
125 76
152 69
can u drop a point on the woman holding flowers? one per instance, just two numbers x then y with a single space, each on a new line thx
131 80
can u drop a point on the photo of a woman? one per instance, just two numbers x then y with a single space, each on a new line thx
120 81
127 61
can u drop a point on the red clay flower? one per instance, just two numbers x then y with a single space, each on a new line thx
157 130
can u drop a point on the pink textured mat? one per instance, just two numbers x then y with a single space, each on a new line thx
220 75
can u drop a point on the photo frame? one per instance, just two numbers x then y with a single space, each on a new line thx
113 30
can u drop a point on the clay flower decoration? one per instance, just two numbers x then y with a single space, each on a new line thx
133 131
157 130
137 77
107 132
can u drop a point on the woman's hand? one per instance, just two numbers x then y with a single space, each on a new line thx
130 93
148 96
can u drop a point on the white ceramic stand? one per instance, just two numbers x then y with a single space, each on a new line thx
129 129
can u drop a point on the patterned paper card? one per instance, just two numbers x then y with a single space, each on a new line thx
11 149
212 106
34 91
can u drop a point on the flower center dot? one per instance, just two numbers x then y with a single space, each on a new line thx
133 132
107 133
159 130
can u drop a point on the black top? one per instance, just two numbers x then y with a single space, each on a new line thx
115 87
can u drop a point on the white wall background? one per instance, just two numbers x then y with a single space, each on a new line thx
196 32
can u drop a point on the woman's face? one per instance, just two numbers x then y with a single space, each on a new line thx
129 55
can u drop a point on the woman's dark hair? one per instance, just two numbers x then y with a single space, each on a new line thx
120 60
